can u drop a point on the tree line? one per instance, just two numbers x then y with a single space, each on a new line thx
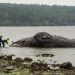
36 15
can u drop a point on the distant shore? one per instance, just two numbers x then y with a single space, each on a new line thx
36 15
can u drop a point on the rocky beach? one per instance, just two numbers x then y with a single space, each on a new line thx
27 66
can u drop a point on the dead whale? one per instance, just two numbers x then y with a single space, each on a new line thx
43 39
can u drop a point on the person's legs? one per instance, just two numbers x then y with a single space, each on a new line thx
0 44
3 43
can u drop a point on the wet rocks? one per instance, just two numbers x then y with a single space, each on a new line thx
6 57
55 65
9 69
38 66
27 59
2 56
26 65
11 65
18 60
47 55
66 65
22 63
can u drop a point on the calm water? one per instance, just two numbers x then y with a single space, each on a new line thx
61 54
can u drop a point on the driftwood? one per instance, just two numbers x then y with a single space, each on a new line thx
44 39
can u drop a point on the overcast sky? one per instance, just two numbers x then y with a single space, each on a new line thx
48 2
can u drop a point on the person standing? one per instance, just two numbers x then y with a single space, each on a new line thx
5 42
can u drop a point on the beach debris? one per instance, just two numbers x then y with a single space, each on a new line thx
66 65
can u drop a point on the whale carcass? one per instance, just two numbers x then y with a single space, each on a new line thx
44 39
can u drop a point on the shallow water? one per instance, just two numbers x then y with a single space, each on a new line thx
61 54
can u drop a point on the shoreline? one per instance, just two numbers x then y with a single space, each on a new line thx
29 66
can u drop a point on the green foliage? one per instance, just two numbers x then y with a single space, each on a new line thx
36 15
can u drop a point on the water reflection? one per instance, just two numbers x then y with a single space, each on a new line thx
61 54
